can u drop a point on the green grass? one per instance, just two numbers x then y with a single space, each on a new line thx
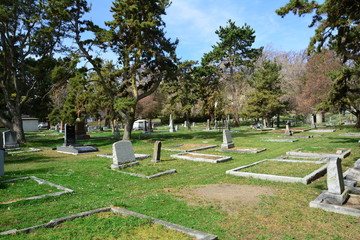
285 215
291 169
23 189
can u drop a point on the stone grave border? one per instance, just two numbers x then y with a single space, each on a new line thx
54 222
321 160
200 159
243 150
150 176
189 150
76 150
298 136
279 140
137 156
322 130
349 134
317 155
25 151
40 181
305 180
319 203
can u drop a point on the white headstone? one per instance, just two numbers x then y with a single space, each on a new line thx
123 153
335 180
172 127
208 127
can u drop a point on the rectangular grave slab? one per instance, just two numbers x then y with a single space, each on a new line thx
298 153
305 180
138 156
198 157
322 130
279 140
243 150
349 134
189 147
75 150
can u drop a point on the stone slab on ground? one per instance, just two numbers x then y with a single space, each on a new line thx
243 150
349 134
322 130
138 156
298 136
26 151
351 207
298 153
305 180
77 149
192 232
279 140
191 147
198 157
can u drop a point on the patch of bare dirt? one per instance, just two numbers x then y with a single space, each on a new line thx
229 197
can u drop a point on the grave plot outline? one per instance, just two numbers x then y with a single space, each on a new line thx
121 211
305 180
298 153
148 176
199 157
40 181
188 150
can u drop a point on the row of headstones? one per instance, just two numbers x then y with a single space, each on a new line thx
123 154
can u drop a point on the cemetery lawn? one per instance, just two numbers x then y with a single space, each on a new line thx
289 169
279 211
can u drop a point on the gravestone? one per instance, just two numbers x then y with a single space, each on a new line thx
172 127
353 173
2 159
208 126
177 128
336 193
287 130
194 124
313 121
1 140
157 152
123 155
9 140
70 135
80 131
227 140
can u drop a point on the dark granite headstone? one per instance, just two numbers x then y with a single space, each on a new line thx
70 136
9 139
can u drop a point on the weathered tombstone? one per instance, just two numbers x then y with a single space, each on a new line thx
57 127
313 121
177 128
265 123
9 139
172 127
208 126
227 140
336 193
1 140
194 124
2 159
123 155
157 152
353 173
287 130
70 135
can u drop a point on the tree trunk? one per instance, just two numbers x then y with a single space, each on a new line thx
357 124
237 119
129 121
17 127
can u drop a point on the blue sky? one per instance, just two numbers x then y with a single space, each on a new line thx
194 23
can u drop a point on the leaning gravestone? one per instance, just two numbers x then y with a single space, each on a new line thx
336 193
9 140
227 140
123 155
157 152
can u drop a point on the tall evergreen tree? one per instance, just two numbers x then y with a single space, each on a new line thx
265 101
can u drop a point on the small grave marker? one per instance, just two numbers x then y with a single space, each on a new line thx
208 127
157 152
172 127
227 140
123 155
9 140
287 130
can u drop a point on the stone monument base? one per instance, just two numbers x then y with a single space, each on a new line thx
227 146
122 166
76 149
333 198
